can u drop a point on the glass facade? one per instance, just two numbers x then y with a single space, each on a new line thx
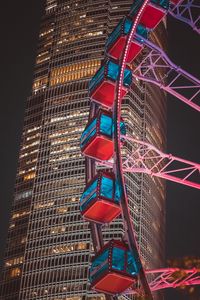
49 244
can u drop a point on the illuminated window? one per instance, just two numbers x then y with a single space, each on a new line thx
62 210
42 57
51 5
31 161
21 172
15 272
74 72
33 136
23 195
30 145
40 83
20 214
33 129
28 153
23 240
76 37
29 176
81 246
12 225
43 205
70 247
46 32
59 229
14 261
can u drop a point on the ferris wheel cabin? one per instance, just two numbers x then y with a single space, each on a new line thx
97 138
153 12
100 201
175 1
103 84
117 39
114 268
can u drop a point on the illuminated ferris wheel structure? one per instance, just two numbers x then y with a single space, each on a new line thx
117 268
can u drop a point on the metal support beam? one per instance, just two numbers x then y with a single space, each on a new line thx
187 11
169 278
145 158
158 69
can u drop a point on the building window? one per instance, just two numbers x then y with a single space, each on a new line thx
14 261
29 176
16 272
74 72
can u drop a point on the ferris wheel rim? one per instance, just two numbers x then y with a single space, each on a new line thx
118 157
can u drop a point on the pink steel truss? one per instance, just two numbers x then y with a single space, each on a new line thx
187 11
145 158
157 68
173 278
170 278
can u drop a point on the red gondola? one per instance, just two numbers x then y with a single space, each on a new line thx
100 199
153 12
102 86
97 138
117 39
114 269
175 1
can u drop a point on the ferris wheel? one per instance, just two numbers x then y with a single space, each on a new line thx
117 268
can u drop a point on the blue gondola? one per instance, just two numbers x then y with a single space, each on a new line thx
102 85
97 138
117 39
114 268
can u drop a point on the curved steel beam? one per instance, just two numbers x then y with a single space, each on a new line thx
118 167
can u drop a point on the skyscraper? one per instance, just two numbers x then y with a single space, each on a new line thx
49 245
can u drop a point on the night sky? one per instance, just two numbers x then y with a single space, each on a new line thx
19 32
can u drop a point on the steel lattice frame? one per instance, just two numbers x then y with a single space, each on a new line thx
169 278
173 278
184 11
179 81
145 158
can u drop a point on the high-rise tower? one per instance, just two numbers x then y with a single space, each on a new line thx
49 245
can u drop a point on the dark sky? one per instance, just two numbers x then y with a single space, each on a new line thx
183 203
19 27
19 30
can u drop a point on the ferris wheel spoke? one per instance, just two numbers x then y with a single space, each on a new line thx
154 162
169 278
187 11
173 278
158 69
147 159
